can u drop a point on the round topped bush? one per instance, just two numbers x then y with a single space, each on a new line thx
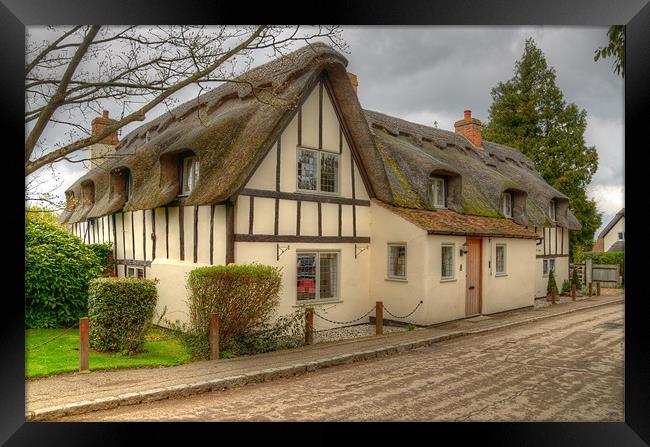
120 312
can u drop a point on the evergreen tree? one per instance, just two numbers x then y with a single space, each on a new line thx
529 113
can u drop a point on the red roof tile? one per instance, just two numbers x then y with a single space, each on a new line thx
443 221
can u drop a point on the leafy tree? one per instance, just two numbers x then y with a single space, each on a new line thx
529 113
615 48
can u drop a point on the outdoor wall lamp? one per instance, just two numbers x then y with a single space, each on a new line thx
463 249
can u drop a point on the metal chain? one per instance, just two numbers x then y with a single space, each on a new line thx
53 338
345 322
405 316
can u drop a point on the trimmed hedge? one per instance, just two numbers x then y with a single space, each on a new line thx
120 311
244 296
58 268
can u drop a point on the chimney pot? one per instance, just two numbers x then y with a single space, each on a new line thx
468 114
105 114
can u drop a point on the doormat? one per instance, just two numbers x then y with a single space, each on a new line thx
477 319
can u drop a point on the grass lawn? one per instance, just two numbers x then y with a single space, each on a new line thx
62 354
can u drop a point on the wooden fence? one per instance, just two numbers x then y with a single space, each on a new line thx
608 275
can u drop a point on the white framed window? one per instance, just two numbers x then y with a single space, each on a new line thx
189 174
621 236
447 262
437 187
506 204
547 265
396 261
135 272
317 276
317 171
500 259
128 185
551 210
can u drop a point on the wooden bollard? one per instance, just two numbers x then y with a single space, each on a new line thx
573 292
598 288
379 318
309 326
84 344
214 336
590 289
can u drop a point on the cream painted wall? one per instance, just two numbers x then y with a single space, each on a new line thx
516 288
353 277
561 262
172 293
612 235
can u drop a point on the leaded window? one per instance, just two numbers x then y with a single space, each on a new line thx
501 259
318 171
447 264
317 276
551 210
397 261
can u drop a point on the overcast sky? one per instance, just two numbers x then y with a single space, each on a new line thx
433 73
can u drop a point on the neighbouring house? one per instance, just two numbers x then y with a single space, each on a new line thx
612 238
354 205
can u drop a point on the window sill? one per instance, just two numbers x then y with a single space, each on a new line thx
316 302
318 193
449 280
396 279
501 274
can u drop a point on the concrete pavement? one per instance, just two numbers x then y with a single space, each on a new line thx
71 394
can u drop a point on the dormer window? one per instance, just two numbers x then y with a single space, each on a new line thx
506 204
438 190
551 209
128 186
189 167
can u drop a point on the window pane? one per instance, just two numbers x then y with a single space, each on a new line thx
551 264
328 275
329 172
397 260
306 277
501 259
438 192
545 266
306 170
447 261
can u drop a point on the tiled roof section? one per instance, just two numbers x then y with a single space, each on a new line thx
444 221
617 246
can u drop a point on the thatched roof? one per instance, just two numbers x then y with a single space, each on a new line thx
450 222
412 152
230 131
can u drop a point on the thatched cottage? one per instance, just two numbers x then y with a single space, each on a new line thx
354 205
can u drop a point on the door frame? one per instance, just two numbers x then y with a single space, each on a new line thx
480 276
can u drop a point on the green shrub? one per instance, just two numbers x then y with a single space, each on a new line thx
244 296
552 285
410 327
120 311
566 286
58 267
104 252
285 332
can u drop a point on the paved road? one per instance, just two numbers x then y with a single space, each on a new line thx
568 368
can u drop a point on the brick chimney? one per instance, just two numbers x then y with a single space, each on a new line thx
470 128
99 124
354 81
98 152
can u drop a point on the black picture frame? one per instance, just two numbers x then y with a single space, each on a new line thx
16 14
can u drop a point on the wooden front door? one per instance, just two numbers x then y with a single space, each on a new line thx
473 277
